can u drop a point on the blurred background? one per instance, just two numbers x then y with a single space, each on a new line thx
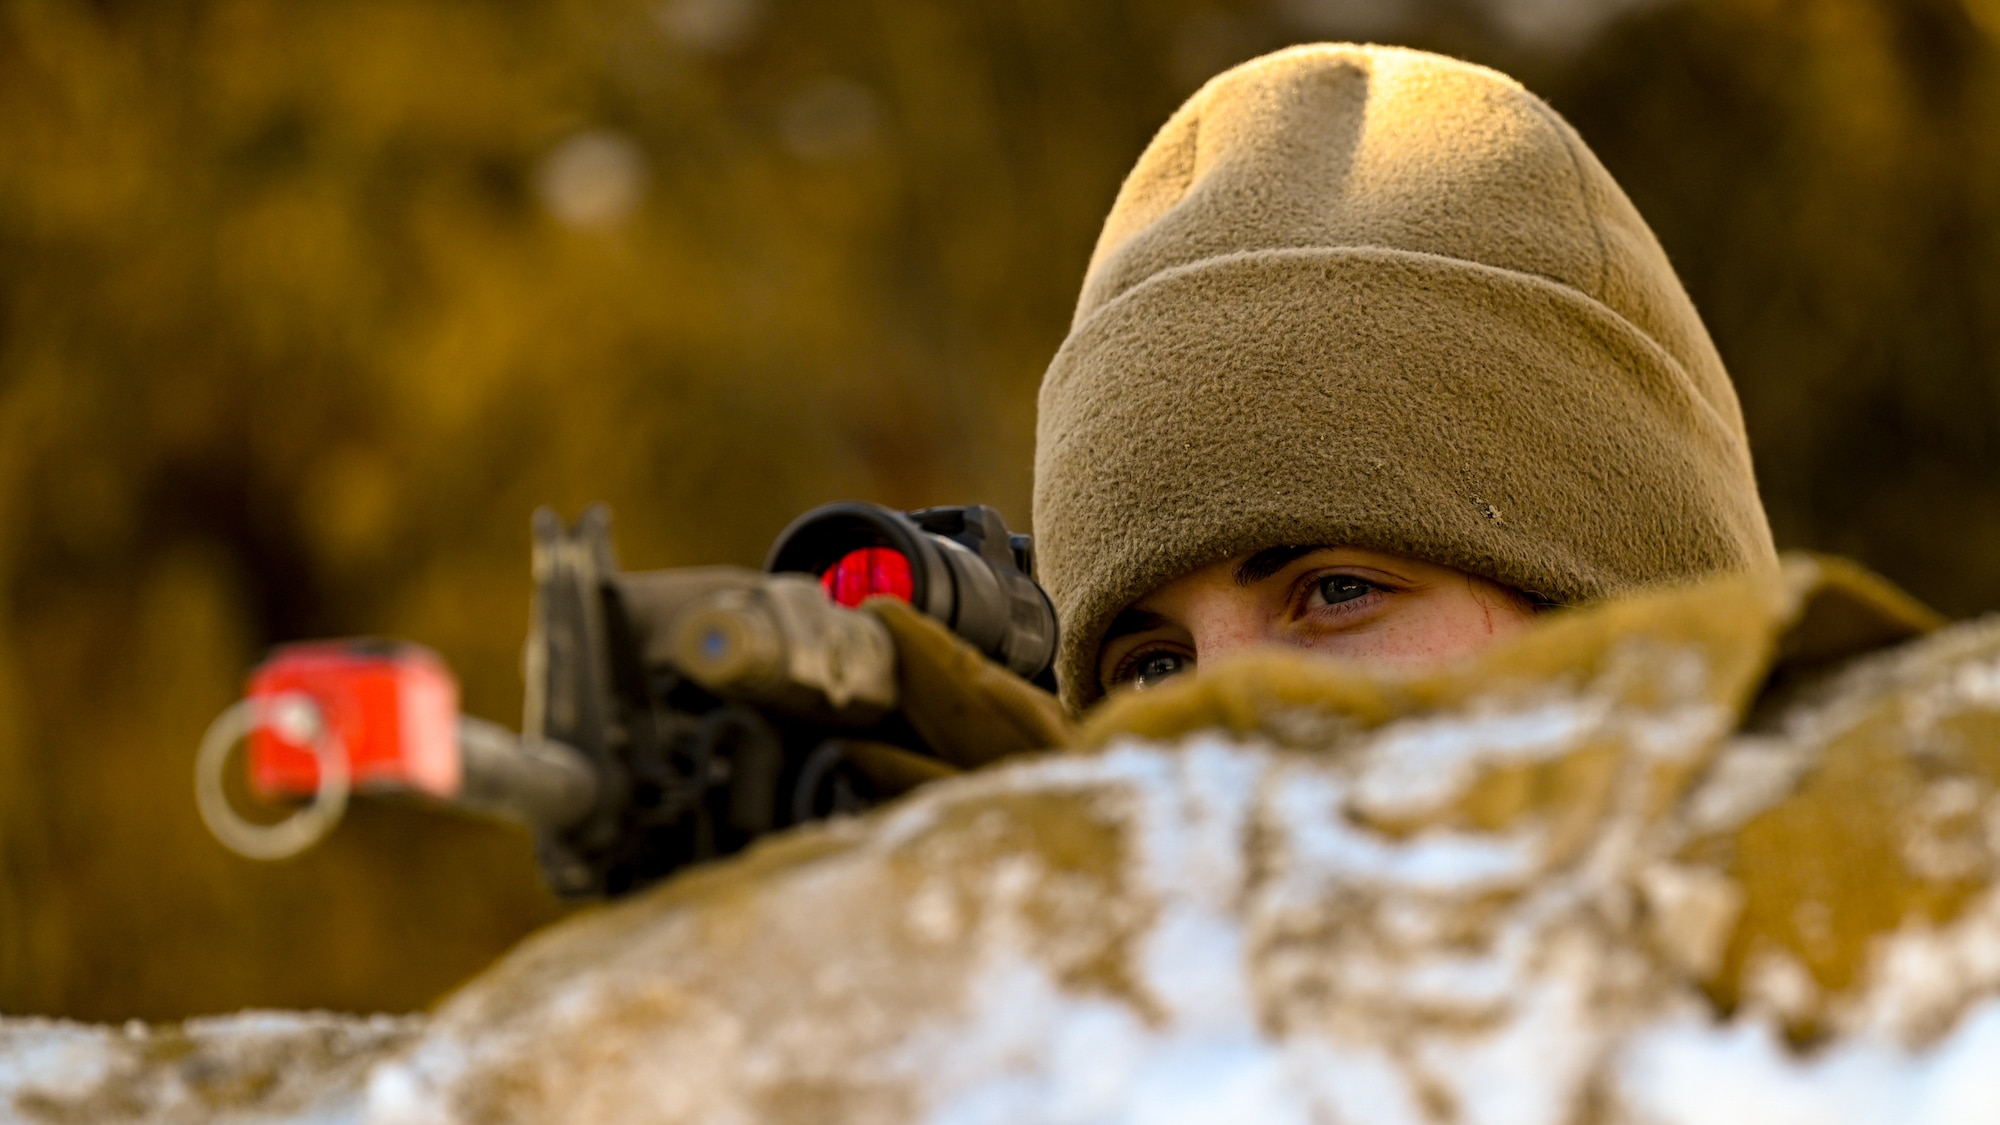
305 307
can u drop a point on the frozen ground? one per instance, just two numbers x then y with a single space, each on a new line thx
251 1067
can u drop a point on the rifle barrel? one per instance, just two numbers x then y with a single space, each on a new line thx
542 784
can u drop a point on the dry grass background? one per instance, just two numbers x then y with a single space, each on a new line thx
303 308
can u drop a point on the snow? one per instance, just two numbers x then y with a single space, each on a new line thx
1690 1071
1324 843
1030 1051
1027 1050
299 1068
1417 764
54 1058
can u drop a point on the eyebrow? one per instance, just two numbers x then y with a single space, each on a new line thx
1267 562
1133 621
1251 571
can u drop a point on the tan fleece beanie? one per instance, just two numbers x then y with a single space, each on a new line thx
1372 297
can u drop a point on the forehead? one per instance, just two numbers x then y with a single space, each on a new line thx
1246 569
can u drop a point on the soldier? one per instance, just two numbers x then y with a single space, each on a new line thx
1373 357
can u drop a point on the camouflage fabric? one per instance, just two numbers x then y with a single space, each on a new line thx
1722 854
968 710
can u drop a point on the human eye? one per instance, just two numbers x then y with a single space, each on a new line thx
1339 589
1149 667
1339 593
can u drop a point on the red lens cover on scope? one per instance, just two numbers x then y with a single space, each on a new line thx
864 573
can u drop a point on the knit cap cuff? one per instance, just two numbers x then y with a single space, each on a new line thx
1477 417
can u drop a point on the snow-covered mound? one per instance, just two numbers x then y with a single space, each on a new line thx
1650 866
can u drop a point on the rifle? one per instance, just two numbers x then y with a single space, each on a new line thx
672 716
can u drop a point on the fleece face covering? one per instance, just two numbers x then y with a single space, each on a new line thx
1376 298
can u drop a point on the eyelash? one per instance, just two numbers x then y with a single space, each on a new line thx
1307 586
1311 584
1128 668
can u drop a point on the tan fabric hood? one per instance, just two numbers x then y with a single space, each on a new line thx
1375 297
